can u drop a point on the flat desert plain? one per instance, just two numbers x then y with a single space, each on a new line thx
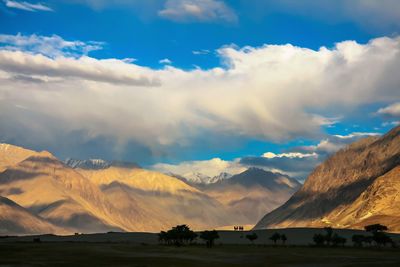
118 254
232 249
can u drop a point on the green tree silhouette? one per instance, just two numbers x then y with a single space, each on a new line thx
358 240
319 239
328 235
284 239
178 235
373 228
338 240
209 237
252 237
381 238
163 237
368 240
275 237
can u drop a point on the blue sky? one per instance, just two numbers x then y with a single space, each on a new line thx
186 81
149 38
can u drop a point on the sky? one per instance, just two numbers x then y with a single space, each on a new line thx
204 86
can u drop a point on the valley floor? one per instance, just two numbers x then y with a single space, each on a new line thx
109 254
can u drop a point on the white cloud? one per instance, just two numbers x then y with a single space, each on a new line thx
390 123
22 5
165 61
84 68
201 52
197 10
356 134
50 46
298 162
211 168
392 110
273 92
335 142
52 56
271 155
328 146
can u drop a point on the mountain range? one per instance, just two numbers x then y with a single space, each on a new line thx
41 194
357 186
98 164
198 179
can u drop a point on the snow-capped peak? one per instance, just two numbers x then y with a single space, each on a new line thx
98 164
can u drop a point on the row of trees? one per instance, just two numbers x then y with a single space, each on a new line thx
182 234
329 238
332 239
379 237
277 236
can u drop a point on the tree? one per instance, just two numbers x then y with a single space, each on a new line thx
275 237
252 237
178 235
283 238
373 228
328 236
358 240
378 235
163 237
319 239
368 240
381 238
338 240
209 237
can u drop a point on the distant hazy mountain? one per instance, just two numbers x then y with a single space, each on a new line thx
259 177
97 164
169 200
220 177
253 192
197 178
357 186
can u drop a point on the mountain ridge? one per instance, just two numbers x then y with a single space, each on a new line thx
336 185
98 164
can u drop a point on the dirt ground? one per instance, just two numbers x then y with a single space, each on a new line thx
112 254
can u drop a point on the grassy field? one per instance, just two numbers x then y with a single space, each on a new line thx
103 254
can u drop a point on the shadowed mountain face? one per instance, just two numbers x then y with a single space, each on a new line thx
15 219
58 194
358 185
50 196
251 193
164 200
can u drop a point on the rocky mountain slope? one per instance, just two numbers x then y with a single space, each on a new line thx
16 220
46 187
358 185
251 193
169 200
10 155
